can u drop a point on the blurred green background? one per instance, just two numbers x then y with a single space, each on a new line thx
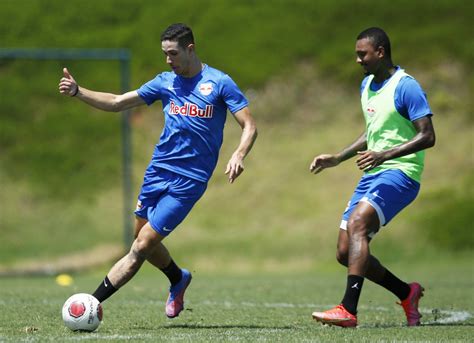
60 167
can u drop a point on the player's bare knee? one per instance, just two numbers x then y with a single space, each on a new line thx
140 250
356 226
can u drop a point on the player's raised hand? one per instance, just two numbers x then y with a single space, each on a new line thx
67 84
323 161
235 167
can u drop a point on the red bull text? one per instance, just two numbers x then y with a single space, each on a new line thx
191 110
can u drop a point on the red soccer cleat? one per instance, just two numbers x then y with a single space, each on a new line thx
410 304
336 316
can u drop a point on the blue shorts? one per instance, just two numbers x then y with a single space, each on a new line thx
388 191
166 198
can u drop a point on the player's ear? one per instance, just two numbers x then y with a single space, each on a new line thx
190 47
380 51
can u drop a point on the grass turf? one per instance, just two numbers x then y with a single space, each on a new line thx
242 307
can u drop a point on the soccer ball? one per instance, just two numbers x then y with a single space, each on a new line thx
82 312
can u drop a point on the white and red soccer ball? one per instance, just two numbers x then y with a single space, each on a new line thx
82 312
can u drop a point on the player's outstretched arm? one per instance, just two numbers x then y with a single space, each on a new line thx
235 166
103 101
324 161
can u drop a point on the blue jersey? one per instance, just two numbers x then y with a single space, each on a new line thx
410 100
195 112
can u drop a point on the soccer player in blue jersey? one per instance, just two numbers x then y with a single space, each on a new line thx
390 152
195 99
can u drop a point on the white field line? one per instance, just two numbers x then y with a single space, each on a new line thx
98 335
442 316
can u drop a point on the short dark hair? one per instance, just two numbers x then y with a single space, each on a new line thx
377 37
180 33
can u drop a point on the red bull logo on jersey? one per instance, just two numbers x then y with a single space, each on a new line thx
191 110
371 111
205 88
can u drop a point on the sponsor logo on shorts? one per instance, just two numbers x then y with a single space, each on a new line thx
139 206
191 110
376 195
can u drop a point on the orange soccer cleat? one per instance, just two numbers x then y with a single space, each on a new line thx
336 316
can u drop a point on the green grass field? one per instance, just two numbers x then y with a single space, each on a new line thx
243 307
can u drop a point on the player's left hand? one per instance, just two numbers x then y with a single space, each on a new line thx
369 159
235 167
67 85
